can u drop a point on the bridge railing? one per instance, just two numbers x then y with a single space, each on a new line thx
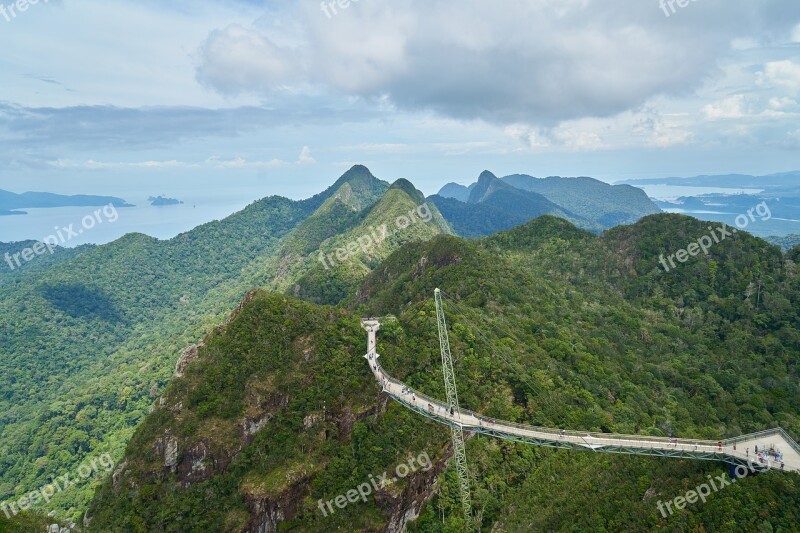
604 439
764 434
555 433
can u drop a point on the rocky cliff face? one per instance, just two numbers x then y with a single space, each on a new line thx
196 463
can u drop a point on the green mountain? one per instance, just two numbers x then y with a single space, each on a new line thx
340 263
499 204
456 191
493 205
278 413
86 347
607 205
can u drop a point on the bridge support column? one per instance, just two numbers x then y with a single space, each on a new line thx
372 327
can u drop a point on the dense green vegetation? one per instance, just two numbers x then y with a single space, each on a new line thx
38 264
332 281
550 325
87 344
25 523
282 360
92 341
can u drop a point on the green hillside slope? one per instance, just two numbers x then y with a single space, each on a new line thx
87 346
549 325
342 262
38 264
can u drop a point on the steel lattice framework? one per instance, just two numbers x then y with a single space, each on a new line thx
457 431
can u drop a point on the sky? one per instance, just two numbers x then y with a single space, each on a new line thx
282 97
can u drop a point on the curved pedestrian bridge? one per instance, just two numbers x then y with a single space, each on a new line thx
739 450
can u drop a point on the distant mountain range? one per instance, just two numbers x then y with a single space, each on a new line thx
782 180
494 204
786 243
10 202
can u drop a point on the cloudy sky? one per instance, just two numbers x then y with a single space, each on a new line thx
99 97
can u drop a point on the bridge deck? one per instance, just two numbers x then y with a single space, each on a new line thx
740 450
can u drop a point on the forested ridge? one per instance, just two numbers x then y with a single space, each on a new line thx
593 336
89 340
88 343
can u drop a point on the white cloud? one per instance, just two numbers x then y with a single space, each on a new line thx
506 62
241 163
579 140
731 107
780 74
660 130
782 104
394 84
305 156
91 164
236 58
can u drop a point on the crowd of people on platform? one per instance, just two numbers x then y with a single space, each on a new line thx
768 456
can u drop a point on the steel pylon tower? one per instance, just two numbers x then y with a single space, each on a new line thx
459 450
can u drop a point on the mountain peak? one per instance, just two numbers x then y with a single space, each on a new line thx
456 191
357 173
408 187
357 186
485 182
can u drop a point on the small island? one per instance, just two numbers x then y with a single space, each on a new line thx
161 201
11 203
